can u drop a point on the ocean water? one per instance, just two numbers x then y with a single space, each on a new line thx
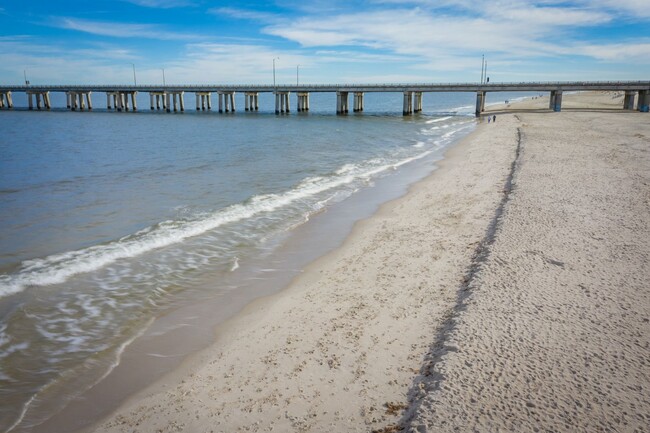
112 220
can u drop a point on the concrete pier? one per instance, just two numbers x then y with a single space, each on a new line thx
555 101
282 102
644 101
342 103
120 100
79 100
5 100
480 103
303 101
407 106
417 102
357 103
251 101
226 101
629 100
42 99
158 97
203 101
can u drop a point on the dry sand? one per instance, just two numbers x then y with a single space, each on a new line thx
433 317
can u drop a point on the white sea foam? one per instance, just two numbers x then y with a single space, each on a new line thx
58 268
441 119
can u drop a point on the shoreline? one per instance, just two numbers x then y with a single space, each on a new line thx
193 335
342 331
340 358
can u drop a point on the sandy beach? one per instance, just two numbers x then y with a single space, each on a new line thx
508 291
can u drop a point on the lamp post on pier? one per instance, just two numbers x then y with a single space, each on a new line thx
276 58
297 75
135 82
163 70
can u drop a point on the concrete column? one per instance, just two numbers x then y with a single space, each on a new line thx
38 101
2 100
483 101
151 96
82 103
277 103
181 98
30 102
134 100
407 105
558 101
479 103
257 101
167 102
644 101
247 102
551 100
208 98
286 99
119 102
10 101
232 101
628 101
198 107
48 101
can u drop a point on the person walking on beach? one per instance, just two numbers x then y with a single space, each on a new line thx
489 118
494 118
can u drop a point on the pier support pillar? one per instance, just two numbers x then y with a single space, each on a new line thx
480 103
407 107
151 97
282 104
417 102
628 101
42 99
167 103
9 103
220 97
302 101
203 101
341 102
5 99
357 104
555 101
644 101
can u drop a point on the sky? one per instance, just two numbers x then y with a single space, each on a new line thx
322 41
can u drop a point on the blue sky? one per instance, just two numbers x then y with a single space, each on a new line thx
203 41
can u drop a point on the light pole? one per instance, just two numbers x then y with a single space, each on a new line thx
135 82
297 75
277 58
163 77
25 75
482 67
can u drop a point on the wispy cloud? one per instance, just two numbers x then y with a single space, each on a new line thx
245 14
162 4
119 29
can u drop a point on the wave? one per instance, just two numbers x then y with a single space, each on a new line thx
58 268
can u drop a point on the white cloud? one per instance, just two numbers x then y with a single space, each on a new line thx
161 4
119 30
244 14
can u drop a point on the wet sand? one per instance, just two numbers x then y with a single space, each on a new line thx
507 291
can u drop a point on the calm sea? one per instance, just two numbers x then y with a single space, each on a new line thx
111 220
